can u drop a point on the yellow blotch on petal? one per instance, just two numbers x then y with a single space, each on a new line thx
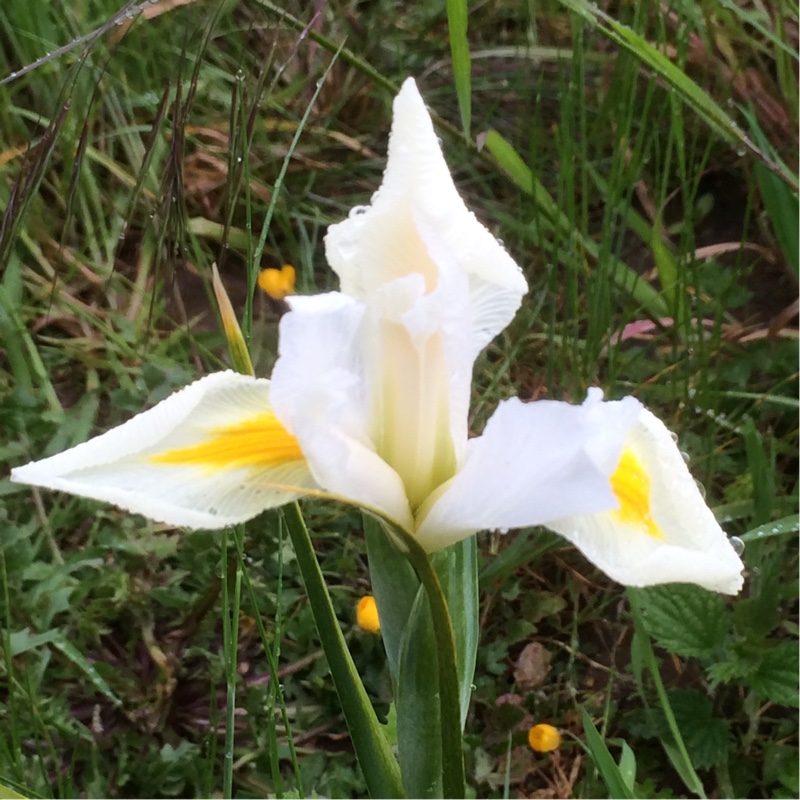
367 614
631 486
543 738
260 441
277 283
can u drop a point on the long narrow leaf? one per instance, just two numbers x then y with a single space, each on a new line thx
395 586
609 771
457 568
378 764
459 49
419 729
453 780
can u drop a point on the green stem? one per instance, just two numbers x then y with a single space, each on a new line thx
652 666
453 776
230 634
378 764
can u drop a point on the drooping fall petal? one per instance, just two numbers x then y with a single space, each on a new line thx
532 461
210 455
661 531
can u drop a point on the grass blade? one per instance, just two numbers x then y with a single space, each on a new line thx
687 89
459 50
604 762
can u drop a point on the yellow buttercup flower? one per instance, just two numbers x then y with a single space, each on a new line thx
543 738
367 614
277 283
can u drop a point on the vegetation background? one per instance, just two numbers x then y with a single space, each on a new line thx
639 160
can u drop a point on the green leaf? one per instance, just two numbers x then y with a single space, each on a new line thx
452 745
80 661
667 267
782 527
776 676
685 620
627 766
459 49
23 640
7 793
395 586
419 730
457 568
375 757
609 771
781 766
761 471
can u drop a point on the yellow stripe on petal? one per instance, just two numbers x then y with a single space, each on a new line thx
257 442
631 486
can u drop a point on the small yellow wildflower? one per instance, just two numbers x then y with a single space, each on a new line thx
543 738
367 615
277 283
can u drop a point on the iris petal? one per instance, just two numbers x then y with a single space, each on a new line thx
690 548
208 456
533 463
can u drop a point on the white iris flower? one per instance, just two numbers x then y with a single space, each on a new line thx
368 403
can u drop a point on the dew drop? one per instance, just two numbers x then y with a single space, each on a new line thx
737 544
685 456
774 530
759 534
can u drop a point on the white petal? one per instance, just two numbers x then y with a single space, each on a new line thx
319 393
416 218
690 548
419 369
146 465
534 462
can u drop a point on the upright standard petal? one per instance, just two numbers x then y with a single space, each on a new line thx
661 530
533 462
416 216
319 391
210 455
437 286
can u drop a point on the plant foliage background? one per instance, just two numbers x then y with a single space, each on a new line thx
639 160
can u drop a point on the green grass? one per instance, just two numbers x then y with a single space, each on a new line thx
624 189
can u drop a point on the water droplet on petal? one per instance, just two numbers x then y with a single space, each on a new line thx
737 544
